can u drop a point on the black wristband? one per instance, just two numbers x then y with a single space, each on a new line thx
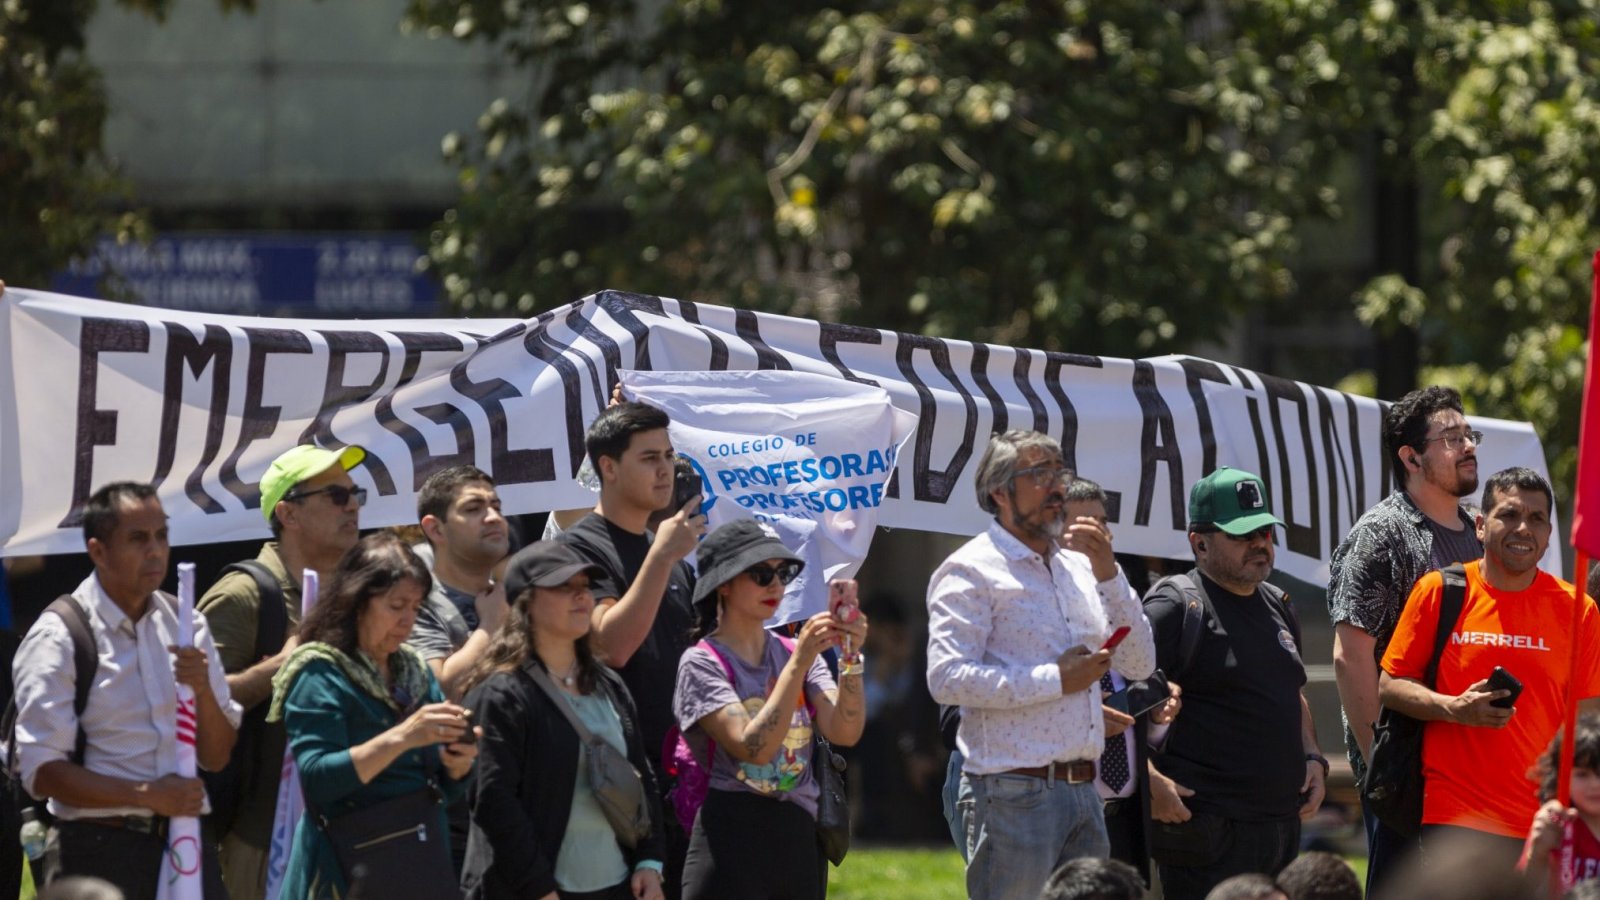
1319 758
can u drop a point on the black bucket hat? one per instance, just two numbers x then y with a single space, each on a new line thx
731 549
545 564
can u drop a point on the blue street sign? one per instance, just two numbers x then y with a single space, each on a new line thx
349 275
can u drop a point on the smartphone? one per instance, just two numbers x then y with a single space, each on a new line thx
1501 680
1116 638
469 736
1140 697
842 599
685 483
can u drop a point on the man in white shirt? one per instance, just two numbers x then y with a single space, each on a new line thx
1012 618
112 804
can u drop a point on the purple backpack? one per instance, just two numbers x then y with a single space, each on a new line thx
679 759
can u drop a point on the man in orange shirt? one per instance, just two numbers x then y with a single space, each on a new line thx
1475 755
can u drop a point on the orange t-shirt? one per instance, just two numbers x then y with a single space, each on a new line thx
1474 776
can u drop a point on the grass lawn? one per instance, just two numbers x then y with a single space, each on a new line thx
898 873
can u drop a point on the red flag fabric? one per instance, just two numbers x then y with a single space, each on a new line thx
1586 496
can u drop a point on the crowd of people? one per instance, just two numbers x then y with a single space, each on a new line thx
593 716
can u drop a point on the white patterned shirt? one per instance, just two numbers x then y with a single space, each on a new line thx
999 616
131 720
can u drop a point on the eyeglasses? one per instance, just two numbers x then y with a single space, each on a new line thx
1456 440
1046 476
763 574
338 493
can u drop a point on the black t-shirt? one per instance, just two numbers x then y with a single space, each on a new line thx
1236 743
652 672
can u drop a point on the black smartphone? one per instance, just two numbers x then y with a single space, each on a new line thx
1501 680
469 736
1140 697
685 483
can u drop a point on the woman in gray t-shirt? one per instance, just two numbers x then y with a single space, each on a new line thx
755 699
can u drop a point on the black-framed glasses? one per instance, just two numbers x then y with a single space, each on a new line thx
762 574
1457 440
1045 476
338 493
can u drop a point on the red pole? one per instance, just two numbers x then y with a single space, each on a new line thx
1569 721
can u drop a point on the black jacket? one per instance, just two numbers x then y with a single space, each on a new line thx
522 789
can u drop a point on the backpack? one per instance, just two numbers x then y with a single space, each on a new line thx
1393 786
85 663
226 787
680 760
1195 606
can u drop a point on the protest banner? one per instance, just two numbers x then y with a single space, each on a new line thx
200 404
808 454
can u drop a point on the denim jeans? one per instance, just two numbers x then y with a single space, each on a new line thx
1023 828
1387 850
957 797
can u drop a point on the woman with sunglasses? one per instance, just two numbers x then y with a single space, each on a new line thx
364 715
537 830
757 697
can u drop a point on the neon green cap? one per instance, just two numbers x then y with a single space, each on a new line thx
299 463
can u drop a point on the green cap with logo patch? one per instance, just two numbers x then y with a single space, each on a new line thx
299 463
1231 499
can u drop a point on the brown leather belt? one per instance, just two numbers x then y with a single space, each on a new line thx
156 825
1075 772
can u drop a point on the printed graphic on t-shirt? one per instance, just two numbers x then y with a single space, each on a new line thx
783 773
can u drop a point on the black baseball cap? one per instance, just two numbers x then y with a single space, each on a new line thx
734 547
545 564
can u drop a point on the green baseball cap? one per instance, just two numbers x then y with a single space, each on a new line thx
1231 499
299 463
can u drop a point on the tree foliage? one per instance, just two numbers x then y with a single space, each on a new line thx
1119 177
1091 174
59 192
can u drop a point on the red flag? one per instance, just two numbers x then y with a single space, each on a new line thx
1586 496
1585 533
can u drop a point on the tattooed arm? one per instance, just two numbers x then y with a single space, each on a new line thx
756 739
842 714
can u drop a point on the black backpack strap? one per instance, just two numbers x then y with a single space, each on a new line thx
85 663
1194 620
272 620
1455 597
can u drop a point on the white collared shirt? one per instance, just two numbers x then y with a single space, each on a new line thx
130 722
999 616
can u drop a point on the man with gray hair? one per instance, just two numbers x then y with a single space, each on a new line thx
1013 620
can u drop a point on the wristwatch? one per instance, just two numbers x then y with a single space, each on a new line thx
1319 758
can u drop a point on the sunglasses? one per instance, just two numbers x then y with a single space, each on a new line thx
338 493
763 574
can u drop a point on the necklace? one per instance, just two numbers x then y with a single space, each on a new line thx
572 672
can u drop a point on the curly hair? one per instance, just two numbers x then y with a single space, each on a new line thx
1405 422
375 564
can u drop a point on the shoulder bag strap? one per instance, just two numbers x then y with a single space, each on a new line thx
1455 597
542 679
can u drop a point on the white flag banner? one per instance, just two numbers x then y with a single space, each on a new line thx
199 405
807 454
291 803
181 878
